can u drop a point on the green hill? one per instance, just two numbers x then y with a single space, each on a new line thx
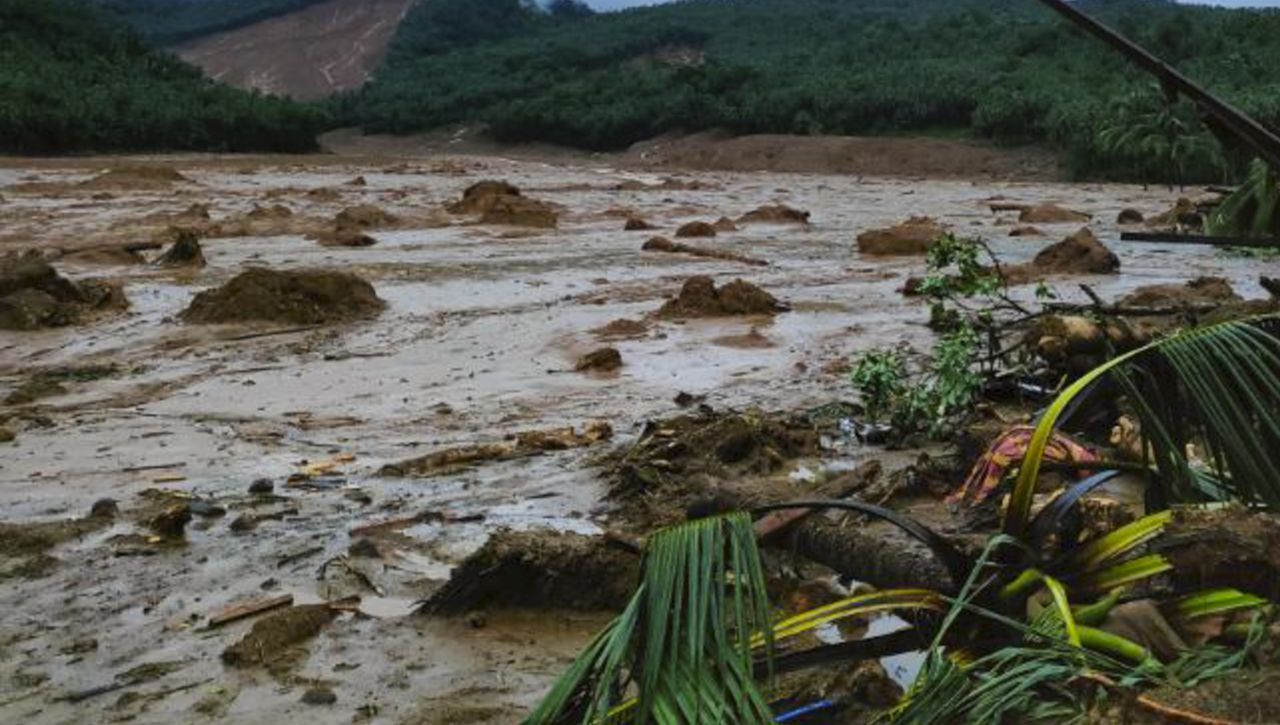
1010 71
72 81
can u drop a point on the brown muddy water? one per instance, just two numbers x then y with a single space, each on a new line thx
478 341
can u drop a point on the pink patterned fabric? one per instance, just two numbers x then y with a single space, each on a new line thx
1006 454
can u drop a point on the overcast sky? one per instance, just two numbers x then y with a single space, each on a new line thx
615 4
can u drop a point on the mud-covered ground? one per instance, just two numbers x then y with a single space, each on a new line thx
483 327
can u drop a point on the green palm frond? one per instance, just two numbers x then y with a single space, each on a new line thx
1216 388
683 644
1253 210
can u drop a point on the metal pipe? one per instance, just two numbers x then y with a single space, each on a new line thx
1264 142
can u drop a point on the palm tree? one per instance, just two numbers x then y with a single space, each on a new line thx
1159 139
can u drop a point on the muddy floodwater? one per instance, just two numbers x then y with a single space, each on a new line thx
478 341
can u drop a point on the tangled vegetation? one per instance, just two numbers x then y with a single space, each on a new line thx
71 81
1025 631
1011 72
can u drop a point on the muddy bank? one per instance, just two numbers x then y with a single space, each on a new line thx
476 344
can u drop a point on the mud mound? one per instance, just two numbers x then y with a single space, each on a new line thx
305 297
273 211
662 244
364 216
621 328
542 569
636 224
106 257
606 359
520 211
135 178
696 229
1130 216
24 548
33 295
274 636
1051 214
1080 253
914 236
700 298
477 197
1026 232
725 224
185 252
775 214
1199 291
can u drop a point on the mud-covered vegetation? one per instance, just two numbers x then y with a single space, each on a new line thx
72 80
1012 72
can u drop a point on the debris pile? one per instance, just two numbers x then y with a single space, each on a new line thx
529 443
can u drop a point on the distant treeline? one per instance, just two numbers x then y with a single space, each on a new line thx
169 22
71 81
1010 71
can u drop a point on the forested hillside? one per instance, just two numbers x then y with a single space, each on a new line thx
71 81
168 22
1009 71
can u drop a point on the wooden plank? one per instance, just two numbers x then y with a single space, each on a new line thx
248 609
1167 238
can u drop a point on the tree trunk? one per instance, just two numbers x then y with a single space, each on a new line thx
873 552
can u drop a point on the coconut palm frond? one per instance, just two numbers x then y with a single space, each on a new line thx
683 644
1215 389
1253 210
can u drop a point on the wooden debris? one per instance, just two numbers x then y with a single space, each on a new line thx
247 609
